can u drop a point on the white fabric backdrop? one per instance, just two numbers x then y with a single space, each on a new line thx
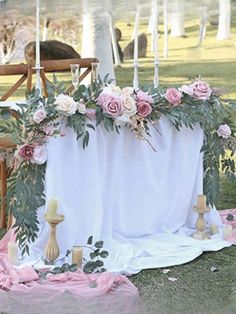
138 201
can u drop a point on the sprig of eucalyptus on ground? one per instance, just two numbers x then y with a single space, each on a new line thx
94 265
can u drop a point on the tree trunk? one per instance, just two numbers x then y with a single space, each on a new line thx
177 19
114 42
224 19
96 41
203 25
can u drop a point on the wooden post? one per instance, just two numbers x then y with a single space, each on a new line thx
29 79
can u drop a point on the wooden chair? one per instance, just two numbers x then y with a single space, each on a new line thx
51 66
26 72
5 171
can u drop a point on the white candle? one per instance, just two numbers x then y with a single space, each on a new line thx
52 208
214 229
165 17
201 202
227 231
12 252
37 49
77 256
155 45
136 23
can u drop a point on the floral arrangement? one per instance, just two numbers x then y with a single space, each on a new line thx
113 107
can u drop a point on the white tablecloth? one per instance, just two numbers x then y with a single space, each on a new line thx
138 201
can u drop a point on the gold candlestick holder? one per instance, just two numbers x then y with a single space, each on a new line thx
201 234
52 250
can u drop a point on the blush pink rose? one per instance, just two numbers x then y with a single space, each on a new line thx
173 96
91 113
144 109
201 90
49 130
26 152
111 104
224 131
103 97
39 115
142 96
39 155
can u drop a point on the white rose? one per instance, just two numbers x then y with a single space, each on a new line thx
111 90
39 155
129 105
39 115
81 108
122 120
66 104
127 91
187 89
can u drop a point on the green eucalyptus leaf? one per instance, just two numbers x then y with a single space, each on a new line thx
104 254
92 255
89 267
99 263
230 217
5 114
90 240
99 244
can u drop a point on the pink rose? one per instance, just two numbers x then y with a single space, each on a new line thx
201 90
49 130
39 155
173 96
26 152
142 96
224 131
187 89
39 115
144 109
103 97
91 113
111 104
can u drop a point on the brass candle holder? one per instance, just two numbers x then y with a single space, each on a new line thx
52 250
201 234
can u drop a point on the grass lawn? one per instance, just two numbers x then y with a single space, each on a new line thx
197 289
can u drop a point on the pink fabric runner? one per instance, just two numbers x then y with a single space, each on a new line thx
26 279
223 215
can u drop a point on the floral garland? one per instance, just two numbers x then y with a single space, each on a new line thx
113 107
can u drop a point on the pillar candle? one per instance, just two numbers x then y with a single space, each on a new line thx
214 229
52 208
12 252
227 231
201 202
77 255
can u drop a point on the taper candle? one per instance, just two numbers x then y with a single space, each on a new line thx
77 255
12 252
201 202
52 208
